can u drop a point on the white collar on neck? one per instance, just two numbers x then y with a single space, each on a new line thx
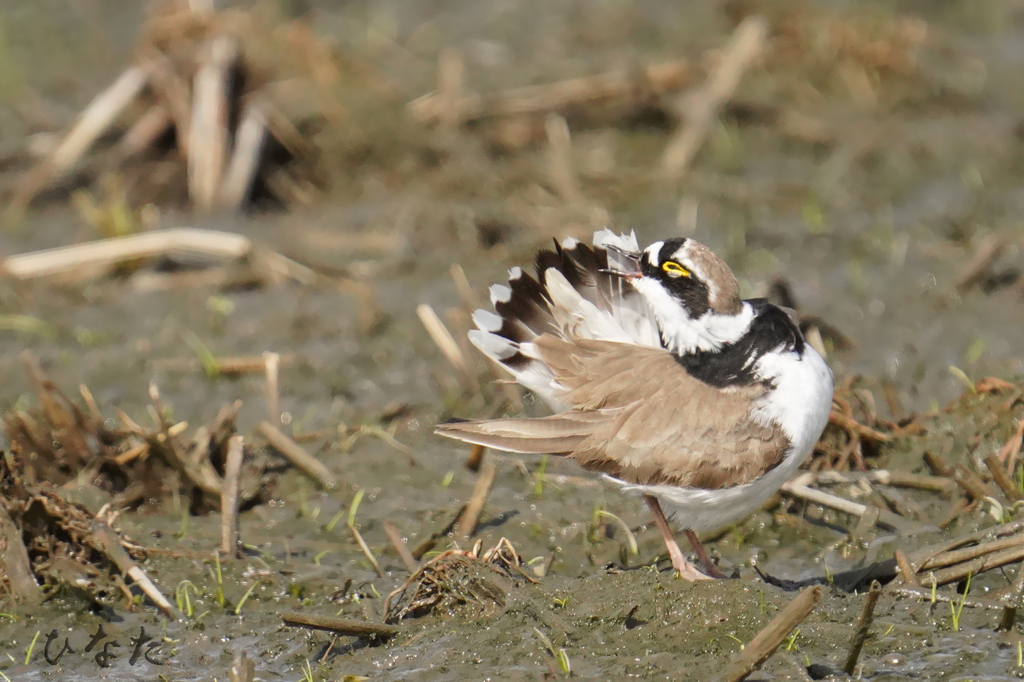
683 334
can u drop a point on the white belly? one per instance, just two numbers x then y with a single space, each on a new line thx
799 403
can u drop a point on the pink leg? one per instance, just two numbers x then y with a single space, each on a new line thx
709 566
686 570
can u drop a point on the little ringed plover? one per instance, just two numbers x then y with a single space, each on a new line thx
660 376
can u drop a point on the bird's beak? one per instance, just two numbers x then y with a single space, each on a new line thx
631 259
628 255
623 275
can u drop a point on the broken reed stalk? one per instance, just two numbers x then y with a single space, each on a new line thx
965 547
1002 479
462 286
954 554
973 567
866 523
937 466
110 545
94 120
959 560
860 635
340 626
1008 455
208 130
538 100
909 576
271 361
450 70
796 488
970 482
294 453
560 159
799 490
850 424
229 497
895 479
132 454
196 467
440 335
280 268
245 159
1013 601
174 92
467 526
984 256
476 457
701 107
229 366
365 549
90 402
399 542
754 654
110 252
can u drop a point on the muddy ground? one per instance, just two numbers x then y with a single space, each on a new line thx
866 161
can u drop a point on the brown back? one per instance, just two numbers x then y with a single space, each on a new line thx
657 424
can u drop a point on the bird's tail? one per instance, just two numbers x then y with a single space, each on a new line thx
558 434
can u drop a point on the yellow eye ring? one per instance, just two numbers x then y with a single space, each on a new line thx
674 270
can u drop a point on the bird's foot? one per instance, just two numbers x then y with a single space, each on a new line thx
688 571
710 567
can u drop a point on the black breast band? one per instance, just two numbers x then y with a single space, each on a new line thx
771 329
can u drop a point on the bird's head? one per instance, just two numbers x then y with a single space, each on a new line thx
692 293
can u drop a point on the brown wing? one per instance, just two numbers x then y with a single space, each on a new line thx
657 424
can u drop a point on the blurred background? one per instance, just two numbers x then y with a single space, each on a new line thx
867 155
358 173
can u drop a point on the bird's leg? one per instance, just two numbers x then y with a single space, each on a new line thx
686 570
709 566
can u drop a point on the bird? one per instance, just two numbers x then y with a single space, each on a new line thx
660 377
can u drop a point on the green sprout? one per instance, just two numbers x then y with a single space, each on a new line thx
560 655
181 595
238 609
334 522
957 609
211 366
31 646
219 577
630 538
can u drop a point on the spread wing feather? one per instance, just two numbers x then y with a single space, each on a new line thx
572 294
